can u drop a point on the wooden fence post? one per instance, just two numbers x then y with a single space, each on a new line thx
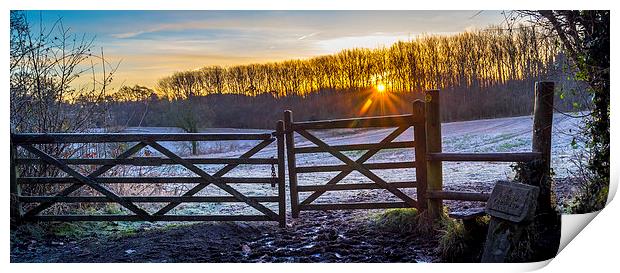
541 139
290 156
433 145
281 183
419 138
16 207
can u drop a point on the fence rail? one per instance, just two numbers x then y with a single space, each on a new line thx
488 157
53 138
366 122
146 180
33 145
400 122
151 161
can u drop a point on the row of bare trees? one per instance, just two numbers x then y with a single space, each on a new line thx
482 58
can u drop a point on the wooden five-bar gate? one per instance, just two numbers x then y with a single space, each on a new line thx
427 160
34 145
401 123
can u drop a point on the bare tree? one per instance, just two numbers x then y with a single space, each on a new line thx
135 94
57 83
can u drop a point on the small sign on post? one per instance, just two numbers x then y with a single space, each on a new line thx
511 207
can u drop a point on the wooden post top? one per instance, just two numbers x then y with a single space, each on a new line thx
280 126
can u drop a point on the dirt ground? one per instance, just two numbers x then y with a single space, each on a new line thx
333 236
313 237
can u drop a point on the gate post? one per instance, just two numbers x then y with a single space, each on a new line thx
281 184
541 139
419 138
433 145
16 207
290 156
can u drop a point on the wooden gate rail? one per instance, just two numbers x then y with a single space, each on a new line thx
400 122
39 138
96 182
367 122
475 157
487 157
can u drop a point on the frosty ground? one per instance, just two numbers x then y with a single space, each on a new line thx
346 236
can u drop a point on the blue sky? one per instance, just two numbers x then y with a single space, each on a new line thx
153 44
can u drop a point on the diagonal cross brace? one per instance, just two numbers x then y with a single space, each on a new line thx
88 181
213 180
74 187
360 160
219 173
358 167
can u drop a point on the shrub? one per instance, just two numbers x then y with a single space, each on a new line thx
460 244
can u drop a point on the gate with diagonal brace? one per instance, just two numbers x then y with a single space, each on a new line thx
37 149
401 123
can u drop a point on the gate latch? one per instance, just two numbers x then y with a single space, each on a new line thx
273 175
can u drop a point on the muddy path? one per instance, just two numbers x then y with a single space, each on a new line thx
316 236
313 237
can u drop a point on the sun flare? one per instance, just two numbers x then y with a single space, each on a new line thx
380 88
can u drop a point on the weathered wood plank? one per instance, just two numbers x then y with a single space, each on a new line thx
358 147
467 214
367 155
370 166
76 186
15 189
457 195
368 122
358 167
290 157
489 157
541 142
211 180
145 180
349 206
143 199
434 170
419 135
360 186
151 161
88 181
218 174
51 138
72 218
280 138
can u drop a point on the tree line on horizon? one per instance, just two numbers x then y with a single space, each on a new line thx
486 73
473 59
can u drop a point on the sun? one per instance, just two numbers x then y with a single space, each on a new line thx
380 87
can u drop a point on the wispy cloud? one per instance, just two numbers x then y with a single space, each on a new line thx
308 36
127 34
154 43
